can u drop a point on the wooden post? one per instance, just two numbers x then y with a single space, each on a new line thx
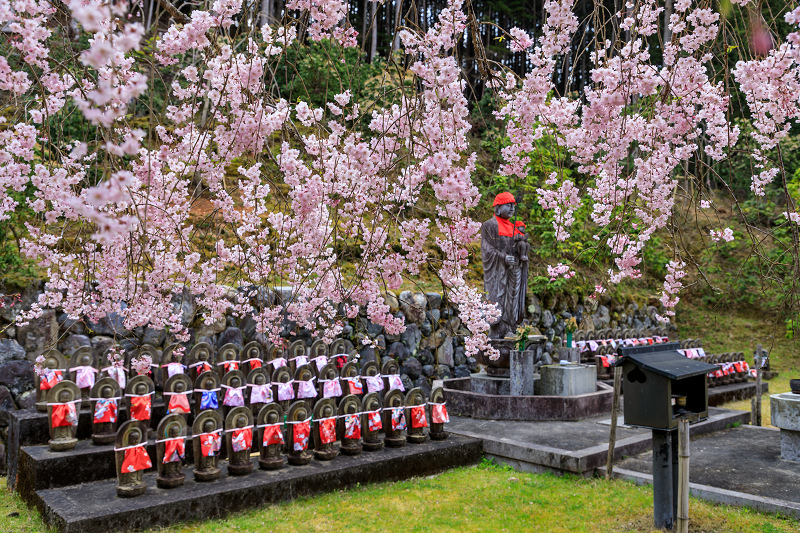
752 411
683 477
758 384
612 438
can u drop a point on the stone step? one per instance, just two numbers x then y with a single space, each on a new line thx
29 427
96 507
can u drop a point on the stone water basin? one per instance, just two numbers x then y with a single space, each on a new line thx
785 413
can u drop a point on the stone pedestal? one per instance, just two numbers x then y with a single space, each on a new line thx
521 382
568 380
573 355
785 414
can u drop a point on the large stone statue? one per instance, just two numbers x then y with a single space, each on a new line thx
505 264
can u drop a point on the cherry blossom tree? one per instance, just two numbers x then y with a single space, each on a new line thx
289 185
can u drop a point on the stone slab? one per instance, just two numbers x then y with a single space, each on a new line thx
719 495
568 380
461 401
570 447
735 392
95 506
743 459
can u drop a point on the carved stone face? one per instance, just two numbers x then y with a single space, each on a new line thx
235 382
64 396
259 379
272 418
208 426
505 211
141 388
51 362
134 437
173 431
85 360
241 421
106 392
179 386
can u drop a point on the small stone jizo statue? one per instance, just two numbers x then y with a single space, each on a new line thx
132 459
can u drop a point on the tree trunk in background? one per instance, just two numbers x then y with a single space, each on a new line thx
398 14
667 37
373 20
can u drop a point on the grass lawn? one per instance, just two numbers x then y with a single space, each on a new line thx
484 498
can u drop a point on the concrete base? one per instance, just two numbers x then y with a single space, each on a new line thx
462 401
790 445
740 466
571 447
93 506
568 380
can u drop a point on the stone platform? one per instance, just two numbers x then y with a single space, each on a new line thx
740 466
462 400
735 392
95 506
28 427
578 447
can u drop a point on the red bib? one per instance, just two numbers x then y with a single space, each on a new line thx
273 435
374 421
301 431
439 414
135 459
352 426
50 378
210 444
418 418
355 386
64 415
140 407
242 439
506 228
178 403
233 365
255 363
398 419
174 450
105 410
327 430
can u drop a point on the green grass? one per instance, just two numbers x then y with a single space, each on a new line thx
485 498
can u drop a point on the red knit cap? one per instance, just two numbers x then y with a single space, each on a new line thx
504 198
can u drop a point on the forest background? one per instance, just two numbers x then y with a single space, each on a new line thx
741 292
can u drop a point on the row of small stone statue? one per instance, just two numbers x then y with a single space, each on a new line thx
299 432
83 366
619 333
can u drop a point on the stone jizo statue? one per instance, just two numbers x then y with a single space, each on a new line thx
171 451
132 459
505 265
62 407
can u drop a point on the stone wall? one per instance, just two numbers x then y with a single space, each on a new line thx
432 347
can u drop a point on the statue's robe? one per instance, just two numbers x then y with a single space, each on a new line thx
504 284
